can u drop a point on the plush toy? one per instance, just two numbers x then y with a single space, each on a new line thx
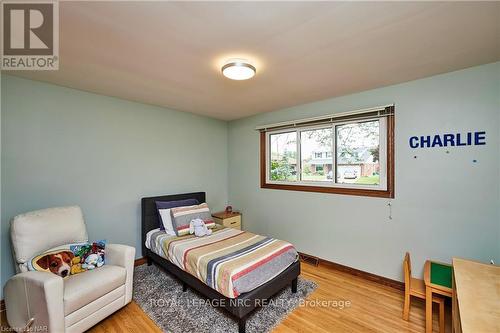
92 261
76 266
198 227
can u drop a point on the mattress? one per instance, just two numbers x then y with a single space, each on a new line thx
230 261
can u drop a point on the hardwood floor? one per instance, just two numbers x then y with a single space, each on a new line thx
129 319
373 308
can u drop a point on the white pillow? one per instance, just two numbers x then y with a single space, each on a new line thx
166 220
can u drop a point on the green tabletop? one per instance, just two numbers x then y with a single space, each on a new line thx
441 274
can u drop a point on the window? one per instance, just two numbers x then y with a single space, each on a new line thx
312 145
351 154
283 147
358 148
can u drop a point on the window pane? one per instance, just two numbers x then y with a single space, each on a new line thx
283 148
358 146
316 155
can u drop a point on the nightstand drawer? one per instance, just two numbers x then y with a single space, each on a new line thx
230 222
234 225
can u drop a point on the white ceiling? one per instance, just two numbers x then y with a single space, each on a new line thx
170 53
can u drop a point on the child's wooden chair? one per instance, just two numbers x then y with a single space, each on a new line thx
416 287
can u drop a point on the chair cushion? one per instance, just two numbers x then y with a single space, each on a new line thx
84 288
34 232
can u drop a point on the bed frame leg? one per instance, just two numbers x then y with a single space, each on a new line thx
241 325
294 285
184 287
149 261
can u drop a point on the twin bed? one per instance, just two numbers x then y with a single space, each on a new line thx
238 269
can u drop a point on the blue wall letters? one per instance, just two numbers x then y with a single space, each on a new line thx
449 140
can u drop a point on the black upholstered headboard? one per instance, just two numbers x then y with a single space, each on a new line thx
150 214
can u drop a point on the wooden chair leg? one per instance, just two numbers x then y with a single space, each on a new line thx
406 307
428 310
441 317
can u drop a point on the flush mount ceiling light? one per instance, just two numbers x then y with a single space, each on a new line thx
238 69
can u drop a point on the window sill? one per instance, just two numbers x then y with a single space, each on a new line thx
333 190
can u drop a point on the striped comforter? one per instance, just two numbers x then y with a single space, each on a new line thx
230 261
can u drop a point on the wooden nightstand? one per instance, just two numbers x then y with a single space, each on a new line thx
230 220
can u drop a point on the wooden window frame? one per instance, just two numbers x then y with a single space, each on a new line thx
387 193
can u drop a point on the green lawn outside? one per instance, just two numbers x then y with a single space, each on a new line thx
370 180
314 177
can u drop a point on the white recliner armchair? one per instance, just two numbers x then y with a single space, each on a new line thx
58 305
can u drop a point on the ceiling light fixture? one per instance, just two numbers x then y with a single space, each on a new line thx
238 69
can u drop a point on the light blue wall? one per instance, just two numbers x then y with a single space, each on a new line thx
445 204
62 147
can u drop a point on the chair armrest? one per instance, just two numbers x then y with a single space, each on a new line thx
37 295
120 255
123 256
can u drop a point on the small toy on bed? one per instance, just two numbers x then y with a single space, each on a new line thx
198 227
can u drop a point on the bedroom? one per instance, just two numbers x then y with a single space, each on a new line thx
316 149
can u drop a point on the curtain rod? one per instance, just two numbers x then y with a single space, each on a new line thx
354 113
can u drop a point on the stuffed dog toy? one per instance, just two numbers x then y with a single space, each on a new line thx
198 227
58 263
